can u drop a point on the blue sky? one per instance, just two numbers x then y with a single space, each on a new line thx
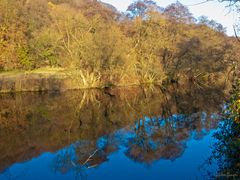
213 10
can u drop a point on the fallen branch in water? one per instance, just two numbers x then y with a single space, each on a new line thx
89 158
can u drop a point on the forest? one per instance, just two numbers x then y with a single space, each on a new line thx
99 46
154 84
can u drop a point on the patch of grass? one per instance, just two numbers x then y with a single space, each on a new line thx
46 70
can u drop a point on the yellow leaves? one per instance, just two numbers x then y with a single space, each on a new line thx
237 120
51 5
78 36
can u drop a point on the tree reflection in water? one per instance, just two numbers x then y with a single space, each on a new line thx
226 150
147 124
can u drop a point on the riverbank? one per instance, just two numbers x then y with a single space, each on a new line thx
32 81
59 79
48 79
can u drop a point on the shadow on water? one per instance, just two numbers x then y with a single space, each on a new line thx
147 123
226 151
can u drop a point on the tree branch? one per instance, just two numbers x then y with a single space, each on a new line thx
203 2
235 32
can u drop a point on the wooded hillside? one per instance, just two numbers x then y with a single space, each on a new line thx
146 44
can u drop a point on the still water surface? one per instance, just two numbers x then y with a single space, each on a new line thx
134 133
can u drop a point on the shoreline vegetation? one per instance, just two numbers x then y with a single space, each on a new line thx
68 44
55 79
58 79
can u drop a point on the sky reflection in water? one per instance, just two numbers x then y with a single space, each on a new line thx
134 134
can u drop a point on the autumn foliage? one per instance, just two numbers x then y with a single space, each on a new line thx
148 44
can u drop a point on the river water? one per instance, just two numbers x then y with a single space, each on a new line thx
121 133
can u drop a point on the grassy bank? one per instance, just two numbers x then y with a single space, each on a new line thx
37 80
59 79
